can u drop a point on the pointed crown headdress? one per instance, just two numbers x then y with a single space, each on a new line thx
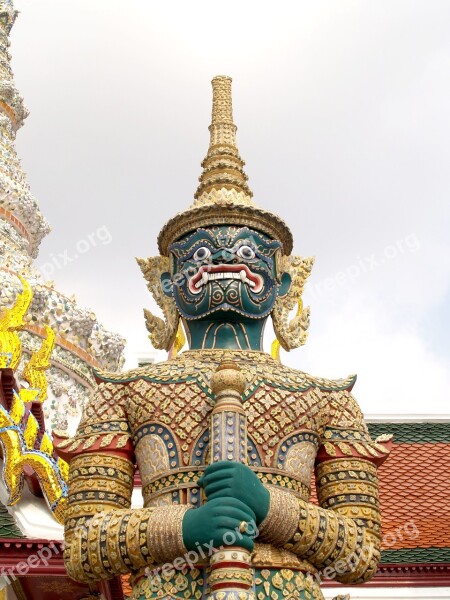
223 197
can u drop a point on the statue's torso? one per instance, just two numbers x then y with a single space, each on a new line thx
168 408
169 413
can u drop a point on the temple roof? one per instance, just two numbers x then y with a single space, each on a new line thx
8 526
415 490
414 493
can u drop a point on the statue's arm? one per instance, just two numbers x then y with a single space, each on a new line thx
341 537
104 537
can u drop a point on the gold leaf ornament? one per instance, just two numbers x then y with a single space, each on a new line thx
34 372
277 581
11 322
293 332
162 331
180 340
19 451
386 437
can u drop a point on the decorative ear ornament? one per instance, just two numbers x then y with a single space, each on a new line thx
180 340
162 331
292 333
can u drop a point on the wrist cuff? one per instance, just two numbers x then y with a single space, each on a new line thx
282 519
165 533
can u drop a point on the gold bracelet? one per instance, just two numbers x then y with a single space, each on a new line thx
307 530
165 533
137 545
282 519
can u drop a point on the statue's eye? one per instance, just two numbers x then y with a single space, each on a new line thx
246 252
202 253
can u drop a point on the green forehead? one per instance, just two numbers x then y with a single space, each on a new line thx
224 236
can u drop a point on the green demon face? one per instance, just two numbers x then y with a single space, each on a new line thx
221 272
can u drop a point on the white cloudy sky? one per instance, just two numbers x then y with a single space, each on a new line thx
342 109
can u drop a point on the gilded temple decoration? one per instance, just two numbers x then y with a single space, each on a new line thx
223 195
180 340
223 168
11 322
81 340
24 443
34 371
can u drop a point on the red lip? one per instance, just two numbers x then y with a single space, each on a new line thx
255 281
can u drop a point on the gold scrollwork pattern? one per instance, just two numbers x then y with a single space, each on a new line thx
11 322
34 371
188 584
300 461
24 443
152 456
23 446
286 583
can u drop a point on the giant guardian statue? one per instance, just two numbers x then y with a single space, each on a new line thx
258 479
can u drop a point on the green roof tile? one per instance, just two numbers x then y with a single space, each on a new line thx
8 527
413 433
416 555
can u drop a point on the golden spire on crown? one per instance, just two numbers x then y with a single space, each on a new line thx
223 196
223 168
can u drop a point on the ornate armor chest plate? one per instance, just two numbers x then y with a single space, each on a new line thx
169 415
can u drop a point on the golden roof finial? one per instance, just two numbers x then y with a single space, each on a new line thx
223 168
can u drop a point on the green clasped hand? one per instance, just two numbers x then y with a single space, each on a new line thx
216 524
235 494
226 479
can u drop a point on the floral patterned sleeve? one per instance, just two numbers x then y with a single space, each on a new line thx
103 535
341 537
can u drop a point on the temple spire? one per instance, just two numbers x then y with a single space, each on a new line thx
223 168
7 14
23 225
